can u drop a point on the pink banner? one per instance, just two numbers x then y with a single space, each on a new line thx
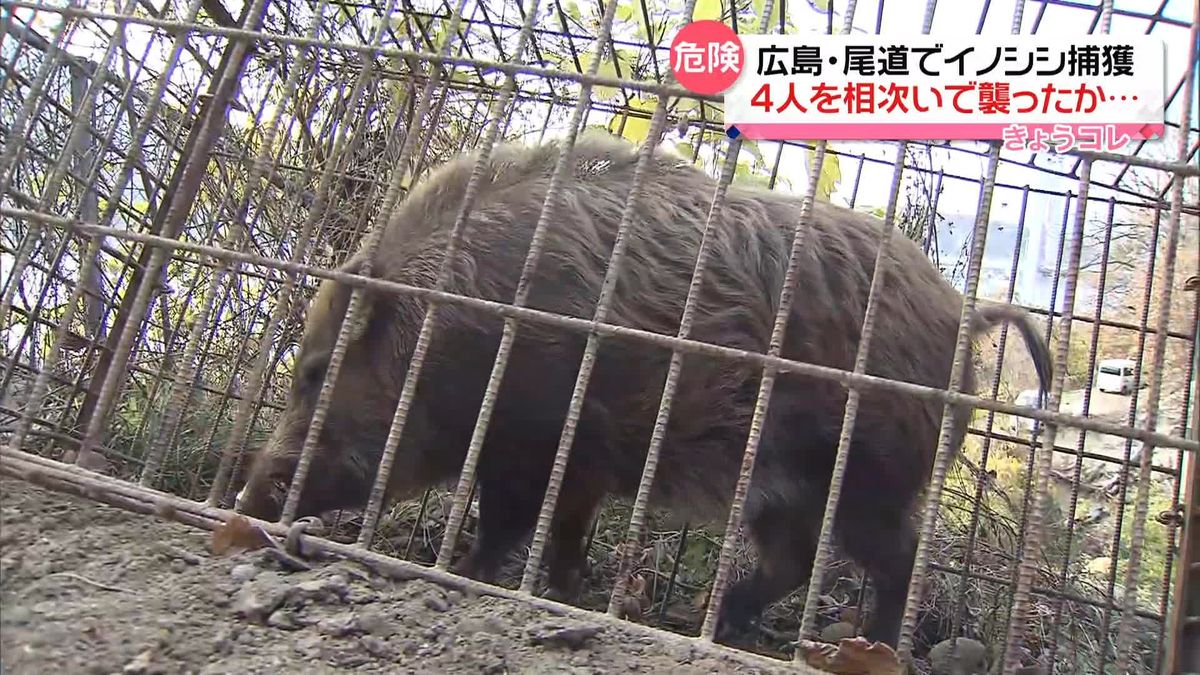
1090 136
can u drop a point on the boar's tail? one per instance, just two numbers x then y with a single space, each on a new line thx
989 315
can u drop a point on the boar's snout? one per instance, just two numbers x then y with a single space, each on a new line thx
263 495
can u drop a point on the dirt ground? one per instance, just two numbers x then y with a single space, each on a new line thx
87 588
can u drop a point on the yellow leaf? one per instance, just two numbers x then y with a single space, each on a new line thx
707 10
830 176
633 128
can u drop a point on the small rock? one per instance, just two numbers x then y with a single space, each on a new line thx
339 625
453 597
377 647
243 572
496 667
486 625
178 566
361 595
836 631
961 656
436 602
284 619
376 623
257 600
141 664
681 652
309 646
571 637
330 589
223 644
352 659
176 553
17 615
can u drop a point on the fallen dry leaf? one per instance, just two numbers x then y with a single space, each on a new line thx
238 533
852 656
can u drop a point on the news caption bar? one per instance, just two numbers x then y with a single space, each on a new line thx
1031 92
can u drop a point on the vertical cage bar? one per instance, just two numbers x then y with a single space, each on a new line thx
628 549
213 117
766 385
354 313
461 498
824 548
962 360
607 289
1018 619
1158 358
500 362
260 170
289 299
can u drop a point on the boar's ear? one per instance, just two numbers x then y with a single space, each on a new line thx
366 306
332 302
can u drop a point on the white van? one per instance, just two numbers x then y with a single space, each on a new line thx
1115 376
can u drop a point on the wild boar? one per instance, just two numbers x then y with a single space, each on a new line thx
894 441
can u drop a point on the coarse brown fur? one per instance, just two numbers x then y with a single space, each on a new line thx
894 439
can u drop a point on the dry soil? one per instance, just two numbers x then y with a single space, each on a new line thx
87 588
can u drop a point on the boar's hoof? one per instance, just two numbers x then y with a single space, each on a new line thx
737 623
566 587
472 568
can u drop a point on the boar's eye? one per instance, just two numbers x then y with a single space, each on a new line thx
280 484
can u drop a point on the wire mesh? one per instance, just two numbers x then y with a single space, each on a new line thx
176 185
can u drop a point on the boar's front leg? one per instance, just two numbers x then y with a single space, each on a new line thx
567 557
785 538
507 512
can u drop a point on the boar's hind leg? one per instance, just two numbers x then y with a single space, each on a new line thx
884 543
785 540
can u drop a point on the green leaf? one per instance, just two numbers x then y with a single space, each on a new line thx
635 129
707 9
626 11
755 152
823 5
685 149
606 69
713 113
744 173
571 8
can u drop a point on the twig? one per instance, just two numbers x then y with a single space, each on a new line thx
82 579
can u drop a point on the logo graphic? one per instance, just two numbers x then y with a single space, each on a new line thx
707 57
